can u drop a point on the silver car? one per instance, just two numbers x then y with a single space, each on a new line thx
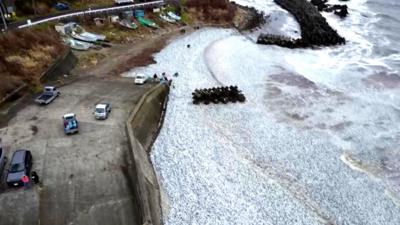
102 111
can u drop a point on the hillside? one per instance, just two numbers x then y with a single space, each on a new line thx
25 54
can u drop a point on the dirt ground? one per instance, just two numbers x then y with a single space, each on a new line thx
121 58
84 177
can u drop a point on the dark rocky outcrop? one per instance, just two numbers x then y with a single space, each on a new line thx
340 10
271 39
315 31
218 95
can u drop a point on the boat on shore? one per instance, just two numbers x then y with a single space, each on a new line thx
147 22
174 16
128 24
77 45
167 18
79 33
83 37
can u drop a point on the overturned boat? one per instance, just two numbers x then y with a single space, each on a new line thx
147 22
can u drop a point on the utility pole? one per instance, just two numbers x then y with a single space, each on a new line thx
2 14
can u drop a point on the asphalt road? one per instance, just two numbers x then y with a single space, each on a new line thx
84 177
16 24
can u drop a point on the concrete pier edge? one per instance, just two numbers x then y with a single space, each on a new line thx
147 187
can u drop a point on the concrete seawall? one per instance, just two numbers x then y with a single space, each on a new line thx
142 127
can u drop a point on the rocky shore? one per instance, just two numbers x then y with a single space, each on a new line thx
315 31
339 10
247 18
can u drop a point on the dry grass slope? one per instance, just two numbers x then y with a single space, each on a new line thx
25 54
212 10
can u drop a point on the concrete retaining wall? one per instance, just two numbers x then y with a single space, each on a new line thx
14 95
142 127
60 66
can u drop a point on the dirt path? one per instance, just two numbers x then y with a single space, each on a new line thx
121 58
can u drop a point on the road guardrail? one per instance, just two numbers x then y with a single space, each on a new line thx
91 11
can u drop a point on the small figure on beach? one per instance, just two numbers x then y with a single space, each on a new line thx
164 75
188 46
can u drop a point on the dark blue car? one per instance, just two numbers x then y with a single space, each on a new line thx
20 165
61 6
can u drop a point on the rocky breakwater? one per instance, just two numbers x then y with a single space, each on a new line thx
339 10
315 31
218 95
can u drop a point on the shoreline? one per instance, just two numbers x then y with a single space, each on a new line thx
139 53
173 149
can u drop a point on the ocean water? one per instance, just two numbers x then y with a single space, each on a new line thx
386 29
364 72
317 141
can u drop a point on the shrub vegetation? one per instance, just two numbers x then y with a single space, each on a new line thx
25 54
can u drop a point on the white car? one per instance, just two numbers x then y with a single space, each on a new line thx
102 111
140 79
48 95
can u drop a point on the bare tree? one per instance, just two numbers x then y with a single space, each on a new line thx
34 6
2 17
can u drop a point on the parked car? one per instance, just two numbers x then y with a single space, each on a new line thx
3 159
102 111
20 165
123 2
48 95
140 79
60 6
70 122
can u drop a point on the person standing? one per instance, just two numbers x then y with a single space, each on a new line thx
35 177
25 181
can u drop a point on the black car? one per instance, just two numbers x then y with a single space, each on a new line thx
20 165
2 159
